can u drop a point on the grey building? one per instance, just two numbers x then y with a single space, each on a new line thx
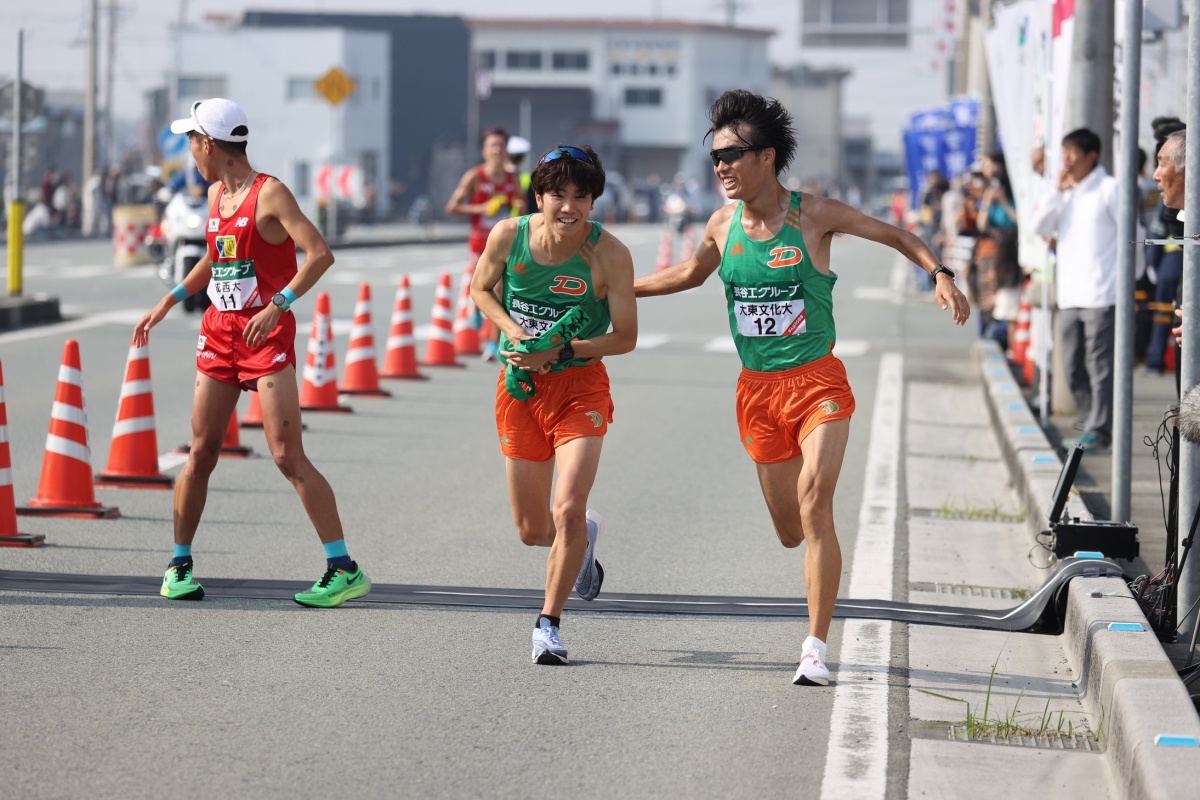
430 59
814 98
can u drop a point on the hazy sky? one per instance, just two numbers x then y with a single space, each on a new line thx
56 30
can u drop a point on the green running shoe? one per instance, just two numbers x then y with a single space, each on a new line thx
335 587
178 583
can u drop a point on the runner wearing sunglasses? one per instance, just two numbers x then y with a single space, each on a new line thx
793 400
567 302
487 193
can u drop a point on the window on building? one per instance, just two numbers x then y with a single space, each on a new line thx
301 178
577 60
523 59
615 69
670 69
637 96
301 89
487 59
855 23
368 162
191 86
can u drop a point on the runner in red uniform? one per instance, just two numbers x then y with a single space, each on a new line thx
247 341
487 193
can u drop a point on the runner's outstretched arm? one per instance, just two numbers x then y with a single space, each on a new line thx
833 216
693 272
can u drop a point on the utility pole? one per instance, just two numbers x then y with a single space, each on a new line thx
89 97
16 204
1089 95
731 9
1127 208
110 150
1189 463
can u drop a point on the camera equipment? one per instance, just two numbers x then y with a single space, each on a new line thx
1070 535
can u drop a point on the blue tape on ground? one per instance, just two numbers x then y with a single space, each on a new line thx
1125 626
1167 740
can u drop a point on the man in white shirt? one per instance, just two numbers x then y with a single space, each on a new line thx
1081 213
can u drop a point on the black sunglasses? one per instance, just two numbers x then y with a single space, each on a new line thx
569 152
729 154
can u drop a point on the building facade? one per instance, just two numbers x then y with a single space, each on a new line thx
637 91
814 98
294 131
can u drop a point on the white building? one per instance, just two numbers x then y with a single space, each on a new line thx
294 131
637 91
898 51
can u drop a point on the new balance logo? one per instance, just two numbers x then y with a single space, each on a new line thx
279 358
241 222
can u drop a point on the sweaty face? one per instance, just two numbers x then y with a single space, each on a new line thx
741 178
566 210
1170 180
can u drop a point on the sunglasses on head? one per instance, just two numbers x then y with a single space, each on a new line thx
568 152
729 155
199 127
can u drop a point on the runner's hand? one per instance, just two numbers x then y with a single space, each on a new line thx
260 325
538 362
948 296
1178 331
141 331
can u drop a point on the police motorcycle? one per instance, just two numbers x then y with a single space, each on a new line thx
181 242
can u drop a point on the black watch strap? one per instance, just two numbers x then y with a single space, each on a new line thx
942 268
567 353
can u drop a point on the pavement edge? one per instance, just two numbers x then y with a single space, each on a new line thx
1129 683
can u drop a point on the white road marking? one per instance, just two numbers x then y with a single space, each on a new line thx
857 759
722 344
170 460
649 341
884 293
128 316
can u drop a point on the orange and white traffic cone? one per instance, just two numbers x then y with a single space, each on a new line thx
400 360
664 250
1020 339
318 391
253 417
9 535
688 248
65 489
360 375
231 445
439 349
133 457
466 337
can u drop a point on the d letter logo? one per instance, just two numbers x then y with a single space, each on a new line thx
784 257
564 284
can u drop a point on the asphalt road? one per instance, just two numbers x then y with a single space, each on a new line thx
136 697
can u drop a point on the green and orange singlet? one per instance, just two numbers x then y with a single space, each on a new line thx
536 296
780 305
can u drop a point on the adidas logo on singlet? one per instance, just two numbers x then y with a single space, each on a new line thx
736 250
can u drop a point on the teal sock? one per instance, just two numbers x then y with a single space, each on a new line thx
336 555
182 555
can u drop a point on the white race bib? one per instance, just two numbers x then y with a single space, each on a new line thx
775 309
234 286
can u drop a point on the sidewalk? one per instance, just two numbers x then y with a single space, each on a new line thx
1128 677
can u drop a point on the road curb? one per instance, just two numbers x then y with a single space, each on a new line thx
1128 682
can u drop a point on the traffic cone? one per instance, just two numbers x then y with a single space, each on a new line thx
253 416
231 445
466 337
360 375
688 248
318 392
664 250
400 360
133 457
439 349
1020 340
65 489
9 535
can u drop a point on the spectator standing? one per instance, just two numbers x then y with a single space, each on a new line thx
1081 212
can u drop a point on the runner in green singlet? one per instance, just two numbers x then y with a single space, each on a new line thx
566 282
794 403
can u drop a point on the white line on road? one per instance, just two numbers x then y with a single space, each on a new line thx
857 759
128 316
170 460
649 341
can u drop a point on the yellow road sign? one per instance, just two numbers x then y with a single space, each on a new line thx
335 86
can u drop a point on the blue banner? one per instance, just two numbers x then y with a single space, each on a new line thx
943 139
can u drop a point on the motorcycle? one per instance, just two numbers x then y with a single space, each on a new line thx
179 243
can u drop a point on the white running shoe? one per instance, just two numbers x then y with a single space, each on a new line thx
812 670
547 649
591 574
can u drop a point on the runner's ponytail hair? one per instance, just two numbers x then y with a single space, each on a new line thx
758 121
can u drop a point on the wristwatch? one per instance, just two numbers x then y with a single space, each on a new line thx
567 353
281 302
942 268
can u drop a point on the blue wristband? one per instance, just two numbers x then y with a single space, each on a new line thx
288 295
180 293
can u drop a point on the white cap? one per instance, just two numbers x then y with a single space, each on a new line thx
216 118
518 145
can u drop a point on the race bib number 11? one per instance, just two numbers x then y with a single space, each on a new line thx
234 286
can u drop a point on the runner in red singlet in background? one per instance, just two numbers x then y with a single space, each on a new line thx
487 193
247 341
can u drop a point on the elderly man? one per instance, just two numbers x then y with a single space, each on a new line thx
1169 174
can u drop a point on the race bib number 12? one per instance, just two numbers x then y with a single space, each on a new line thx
771 310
